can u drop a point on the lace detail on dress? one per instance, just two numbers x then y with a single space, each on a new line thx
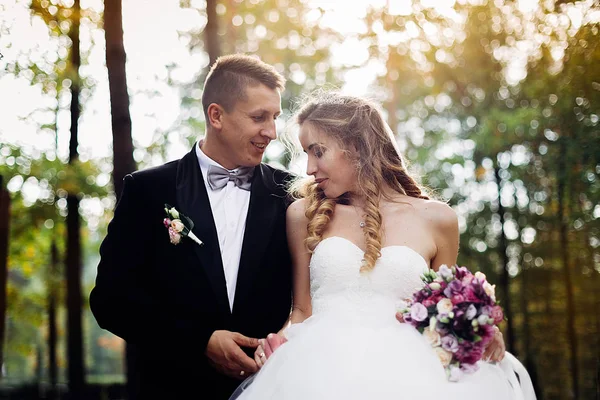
336 283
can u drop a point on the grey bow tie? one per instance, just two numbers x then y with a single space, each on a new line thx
218 177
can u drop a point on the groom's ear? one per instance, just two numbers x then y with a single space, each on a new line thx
215 115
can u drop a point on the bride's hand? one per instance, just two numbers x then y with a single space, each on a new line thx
266 347
495 350
399 317
259 355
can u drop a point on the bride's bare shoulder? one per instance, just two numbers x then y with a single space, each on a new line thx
435 212
296 212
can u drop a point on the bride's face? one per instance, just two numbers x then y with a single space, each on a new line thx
327 162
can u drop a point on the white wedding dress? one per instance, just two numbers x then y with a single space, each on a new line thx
352 347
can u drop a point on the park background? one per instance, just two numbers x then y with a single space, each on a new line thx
495 104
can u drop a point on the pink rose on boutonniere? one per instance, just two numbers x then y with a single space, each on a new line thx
178 226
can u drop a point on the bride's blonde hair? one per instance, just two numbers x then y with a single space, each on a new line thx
358 126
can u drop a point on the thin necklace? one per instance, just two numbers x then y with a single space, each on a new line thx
361 222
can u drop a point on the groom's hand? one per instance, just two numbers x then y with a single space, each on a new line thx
224 350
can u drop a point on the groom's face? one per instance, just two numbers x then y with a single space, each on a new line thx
248 128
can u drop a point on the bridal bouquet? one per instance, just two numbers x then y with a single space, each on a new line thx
456 312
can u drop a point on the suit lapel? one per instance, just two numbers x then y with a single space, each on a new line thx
193 201
262 213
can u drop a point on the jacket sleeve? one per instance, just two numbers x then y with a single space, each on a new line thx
121 299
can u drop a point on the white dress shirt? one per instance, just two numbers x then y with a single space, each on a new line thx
229 207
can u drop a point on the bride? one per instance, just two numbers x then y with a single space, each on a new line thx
361 233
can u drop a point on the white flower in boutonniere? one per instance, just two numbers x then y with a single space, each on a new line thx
179 226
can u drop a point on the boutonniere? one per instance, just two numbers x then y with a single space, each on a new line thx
179 225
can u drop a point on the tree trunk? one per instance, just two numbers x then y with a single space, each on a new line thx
73 258
4 234
566 269
504 277
52 326
123 162
211 32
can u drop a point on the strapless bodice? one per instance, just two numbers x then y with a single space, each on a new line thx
336 283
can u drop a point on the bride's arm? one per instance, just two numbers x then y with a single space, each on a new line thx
296 227
445 236
447 240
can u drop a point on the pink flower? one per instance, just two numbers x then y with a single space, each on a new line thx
470 294
167 222
428 302
436 299
174 236
487 334
457 314
458 298
177 225
497 314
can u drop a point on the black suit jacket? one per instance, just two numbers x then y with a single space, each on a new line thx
166 300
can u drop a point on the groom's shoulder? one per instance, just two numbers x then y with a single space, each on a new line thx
278 174
158 175
278 179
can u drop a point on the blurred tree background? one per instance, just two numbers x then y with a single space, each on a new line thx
495 103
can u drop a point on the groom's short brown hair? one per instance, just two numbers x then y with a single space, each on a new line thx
229 76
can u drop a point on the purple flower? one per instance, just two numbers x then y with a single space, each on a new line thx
418 312
454 287
462 272
486 332
474 293
450 343
459 307
469 352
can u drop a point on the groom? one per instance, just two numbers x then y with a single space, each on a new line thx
191 314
